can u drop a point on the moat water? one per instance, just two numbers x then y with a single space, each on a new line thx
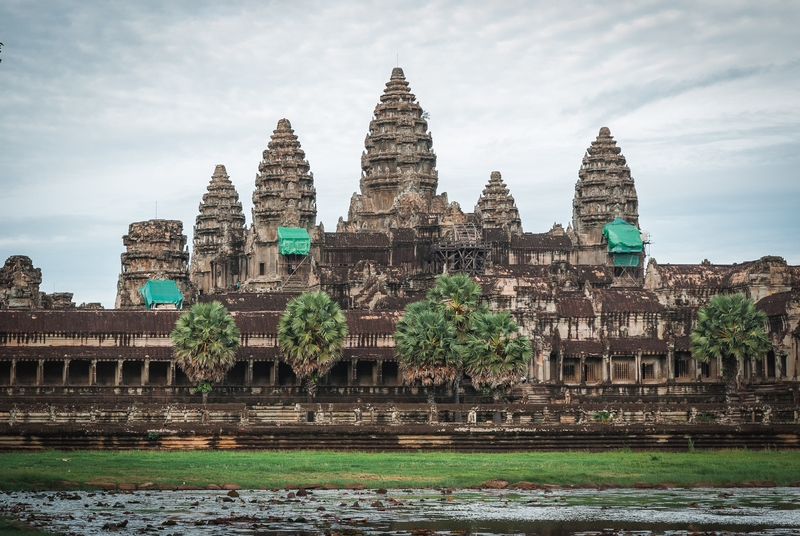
774 511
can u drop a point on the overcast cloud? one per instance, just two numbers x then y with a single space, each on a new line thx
109 107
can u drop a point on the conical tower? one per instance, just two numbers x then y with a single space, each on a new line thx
284 197
398 166
218 245
604 191
285 194
496 208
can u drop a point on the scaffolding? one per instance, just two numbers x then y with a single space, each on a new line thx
463 250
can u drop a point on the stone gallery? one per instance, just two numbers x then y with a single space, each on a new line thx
606 328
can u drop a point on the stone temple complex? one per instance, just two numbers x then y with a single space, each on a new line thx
608 328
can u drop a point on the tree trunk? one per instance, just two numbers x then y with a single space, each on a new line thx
456 387
730 371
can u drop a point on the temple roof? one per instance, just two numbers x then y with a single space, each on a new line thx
496 207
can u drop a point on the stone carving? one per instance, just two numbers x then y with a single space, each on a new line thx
496 208
155 249
398 167
604 191
19 284
219 235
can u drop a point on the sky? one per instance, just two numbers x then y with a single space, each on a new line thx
114 112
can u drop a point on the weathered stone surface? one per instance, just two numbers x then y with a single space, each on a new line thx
19 284
496 208
155 249
219 237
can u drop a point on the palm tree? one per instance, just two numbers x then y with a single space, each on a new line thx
496 355
731 328
311 335
206 339
457 297
426 346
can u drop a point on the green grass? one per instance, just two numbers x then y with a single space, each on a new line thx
19 471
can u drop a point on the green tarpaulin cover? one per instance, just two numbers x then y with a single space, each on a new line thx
626 259
293 241
622 237
156 292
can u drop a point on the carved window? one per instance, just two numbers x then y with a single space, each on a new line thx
682 368
569 373
621 371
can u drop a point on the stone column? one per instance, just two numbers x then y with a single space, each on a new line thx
582 365
248 379
65 373
378 379
40 372
611 369
170 372
118 373
638 362
93 372
561 366
273 377
352 370
13 375
778 366
719 368
670 362
146 372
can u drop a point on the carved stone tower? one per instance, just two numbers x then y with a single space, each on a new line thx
218 246
496 208
398 178
604 192
156 249
19 284
284 197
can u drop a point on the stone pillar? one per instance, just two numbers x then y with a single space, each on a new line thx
352 371
719 368
670 362
611 369
40 372
273 377
170 372
561 366
13 374
93 372
582 365
606 365
638 362
378 380
118 372
65 373
248 378
695 365
146 372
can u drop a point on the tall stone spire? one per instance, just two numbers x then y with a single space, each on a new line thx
398 177
285 194
218 243
496 208
604 191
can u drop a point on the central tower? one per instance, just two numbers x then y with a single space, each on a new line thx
398 166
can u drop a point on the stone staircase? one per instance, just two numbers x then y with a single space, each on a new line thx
531 393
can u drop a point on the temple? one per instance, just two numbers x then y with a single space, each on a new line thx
605 329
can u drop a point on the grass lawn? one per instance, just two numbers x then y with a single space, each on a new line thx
273 469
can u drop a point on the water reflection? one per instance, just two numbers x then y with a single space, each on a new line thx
413 512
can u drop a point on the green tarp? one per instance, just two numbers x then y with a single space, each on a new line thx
622 237
293 241
161 294
626 259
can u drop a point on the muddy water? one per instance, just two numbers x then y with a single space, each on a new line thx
773 511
